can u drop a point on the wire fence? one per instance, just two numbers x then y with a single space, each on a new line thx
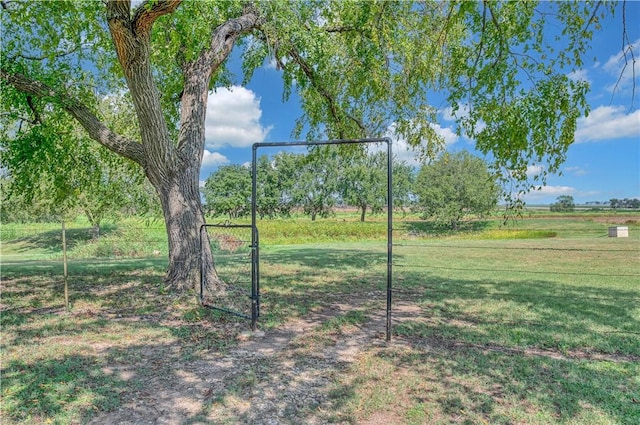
443 269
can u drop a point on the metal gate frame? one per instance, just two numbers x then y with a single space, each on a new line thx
255 290
254 169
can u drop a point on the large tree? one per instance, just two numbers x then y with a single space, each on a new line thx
315 189
564 203
358 69
454 186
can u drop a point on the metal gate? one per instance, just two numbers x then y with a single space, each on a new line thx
231 248
234 249
387 141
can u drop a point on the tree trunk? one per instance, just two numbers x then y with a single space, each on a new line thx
363 211
183 215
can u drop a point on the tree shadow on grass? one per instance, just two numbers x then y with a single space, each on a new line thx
122 346
63 367
51 241
62 387
528 312
566 350
471 365
32 290
295 281
495 386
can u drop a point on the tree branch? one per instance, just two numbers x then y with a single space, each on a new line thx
36 115
331 102
197 77
125 29
224 37
627 48
502 41
87 119
132 40
592 18
147 13
43 57
118 18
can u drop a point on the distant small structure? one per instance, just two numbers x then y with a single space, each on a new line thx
619 232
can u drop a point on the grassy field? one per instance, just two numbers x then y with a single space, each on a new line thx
537 322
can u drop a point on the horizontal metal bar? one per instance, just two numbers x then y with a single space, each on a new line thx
224 310
224 226
323 142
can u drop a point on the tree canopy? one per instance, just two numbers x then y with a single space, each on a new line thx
454 186
68 172
228 191
564 203
358 70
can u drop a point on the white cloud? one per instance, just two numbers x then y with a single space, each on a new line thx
545 192
579 75
608 123
399 147
450 137
576 171
448 114
534 170
233 118
620 66
213 158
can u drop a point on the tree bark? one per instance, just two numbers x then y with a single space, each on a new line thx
183 217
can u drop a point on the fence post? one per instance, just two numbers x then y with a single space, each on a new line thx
64 267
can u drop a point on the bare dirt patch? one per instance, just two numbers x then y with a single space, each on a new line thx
288 375
618 219
282 376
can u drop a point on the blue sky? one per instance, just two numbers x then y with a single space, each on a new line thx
603 163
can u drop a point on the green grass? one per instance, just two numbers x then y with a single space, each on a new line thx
536 322
62 368
43 241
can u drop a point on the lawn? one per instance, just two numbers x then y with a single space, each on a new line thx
535 323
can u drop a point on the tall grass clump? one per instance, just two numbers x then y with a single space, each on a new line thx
499 234
128 240
291 231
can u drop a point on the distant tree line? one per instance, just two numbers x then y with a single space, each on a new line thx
633 203
566 203
446 190
314 184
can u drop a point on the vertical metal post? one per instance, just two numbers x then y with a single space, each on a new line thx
202 275
389 234
64 268
254 240
256 269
